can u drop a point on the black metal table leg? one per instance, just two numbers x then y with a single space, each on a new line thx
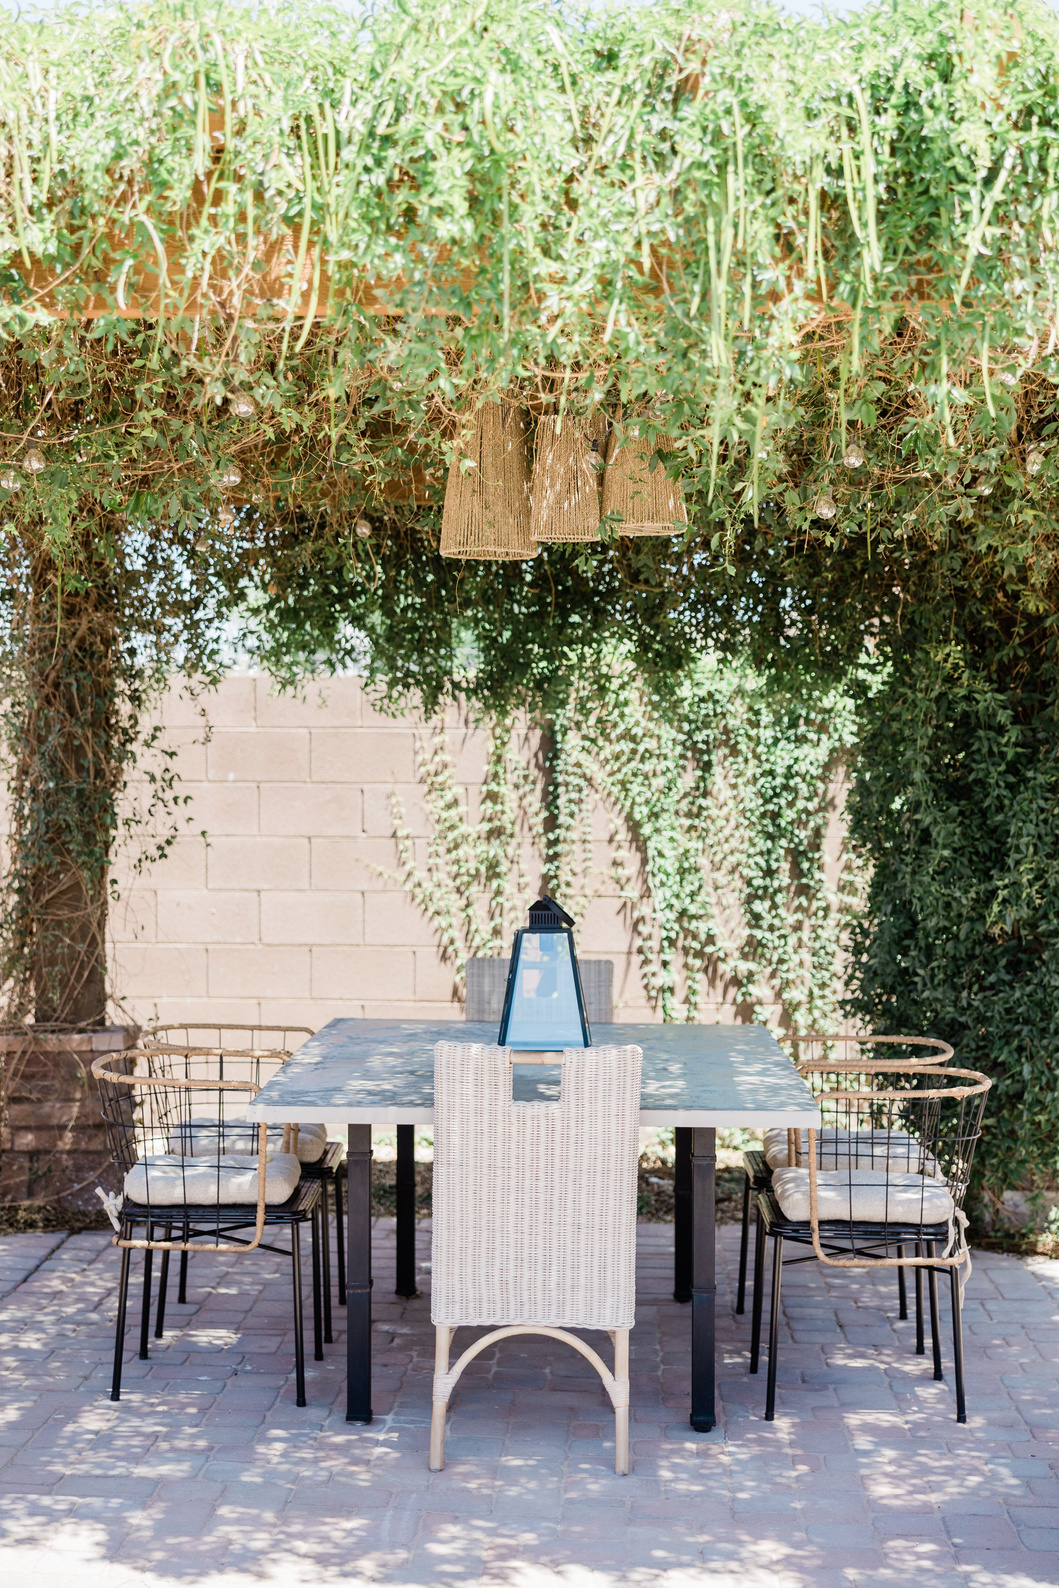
682 1214
703 1276
406 1212
358 1276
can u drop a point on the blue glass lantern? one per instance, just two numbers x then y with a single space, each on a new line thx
544 1007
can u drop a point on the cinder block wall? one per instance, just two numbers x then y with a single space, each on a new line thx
280 913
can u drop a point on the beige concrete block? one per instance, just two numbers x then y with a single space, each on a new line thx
334 704
134 918
434 980
363 972
312 918
353 864
187 1011
602 931
190 747
378 817
208 916
257 971
233 704
145 971
224 808
183 866
312 1012
393 918
311 808
467 748
268 755
363 755
259 862
412 1011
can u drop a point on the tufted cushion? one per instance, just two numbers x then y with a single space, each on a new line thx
864 1195
204 1138
865 1149
165 1180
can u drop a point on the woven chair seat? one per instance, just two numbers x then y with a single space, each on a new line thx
204 1138
166 1180
870 1196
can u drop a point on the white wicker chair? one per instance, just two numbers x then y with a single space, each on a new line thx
534 1212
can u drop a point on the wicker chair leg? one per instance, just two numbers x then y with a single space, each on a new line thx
163 1285
442 1341
744 1245
759 1286
621 1413
318 1328
325 1256
920 1346
340 1239
182 1287
119 1327
957 1345
145 1310
902 1289
935 1326
299 1321
774 1327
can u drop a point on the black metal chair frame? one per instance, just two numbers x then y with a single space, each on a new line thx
867 1238
303 1206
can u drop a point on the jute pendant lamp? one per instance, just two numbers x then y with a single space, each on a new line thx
566 477
487 506
648 503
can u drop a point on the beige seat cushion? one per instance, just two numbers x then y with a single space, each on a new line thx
864 1149
204 1138
166 1180
864 1195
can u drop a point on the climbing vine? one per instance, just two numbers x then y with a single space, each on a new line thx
719 799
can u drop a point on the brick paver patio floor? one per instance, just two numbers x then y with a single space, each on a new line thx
206 1472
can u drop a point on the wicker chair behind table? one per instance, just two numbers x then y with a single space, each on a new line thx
888 1170
321 1159
190 1162
778 1146
534 1212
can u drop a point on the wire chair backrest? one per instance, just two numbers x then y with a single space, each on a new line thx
179 1137
534 1203
220 1036
894 1150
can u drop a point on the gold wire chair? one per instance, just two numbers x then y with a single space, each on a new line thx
189 1161
888 1169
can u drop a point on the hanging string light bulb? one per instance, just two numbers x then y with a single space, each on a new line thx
825 505
230 476
242 404
202 543
854 458
1034 461
33 462
363 528
226 517
10 480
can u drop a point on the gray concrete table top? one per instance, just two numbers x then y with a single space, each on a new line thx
370 1072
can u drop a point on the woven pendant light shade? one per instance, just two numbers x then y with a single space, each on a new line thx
648 503
487 507
566 477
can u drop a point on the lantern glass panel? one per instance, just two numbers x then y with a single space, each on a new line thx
545 1010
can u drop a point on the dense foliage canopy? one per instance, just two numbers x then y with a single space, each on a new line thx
258 263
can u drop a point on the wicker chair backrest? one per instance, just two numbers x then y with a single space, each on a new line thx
534 1204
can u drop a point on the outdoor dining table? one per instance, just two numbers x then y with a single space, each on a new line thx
697 1078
